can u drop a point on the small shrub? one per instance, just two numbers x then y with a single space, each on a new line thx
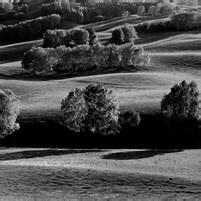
182 102
118 36
130 119
141 10
92 36
9 111
91 110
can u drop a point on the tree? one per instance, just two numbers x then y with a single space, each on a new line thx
92 36
9 111
166 9
141 10
151 10
182 102
91 110
118 36
103 112
74 110
129 33
79 37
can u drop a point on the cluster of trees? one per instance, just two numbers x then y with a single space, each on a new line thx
178 22
124 34
69 38
83 58
30 29
94 110
10 11
161 9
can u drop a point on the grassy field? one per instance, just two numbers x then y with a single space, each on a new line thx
82 174
174 57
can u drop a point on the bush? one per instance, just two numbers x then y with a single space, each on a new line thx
125 34
129 119
83 58
141 10
9 111
118 36
166 9
69 38
29 30
92 110
182 102
92 36
129 33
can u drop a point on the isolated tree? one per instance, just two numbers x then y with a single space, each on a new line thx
9 111
182 102
91 110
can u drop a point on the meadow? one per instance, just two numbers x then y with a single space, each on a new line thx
107 174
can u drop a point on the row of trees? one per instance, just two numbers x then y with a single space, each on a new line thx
29 30
178 22
69 38
94 109
97 12
83 58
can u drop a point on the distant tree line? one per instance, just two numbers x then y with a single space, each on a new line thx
179 22
29 30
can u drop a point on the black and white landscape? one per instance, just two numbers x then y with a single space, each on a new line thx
99 100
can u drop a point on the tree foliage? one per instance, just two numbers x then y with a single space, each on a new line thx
92 110
69 38
9 111
83 58
182 102
29 30
124 34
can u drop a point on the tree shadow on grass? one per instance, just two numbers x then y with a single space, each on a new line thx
43 153
134 155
